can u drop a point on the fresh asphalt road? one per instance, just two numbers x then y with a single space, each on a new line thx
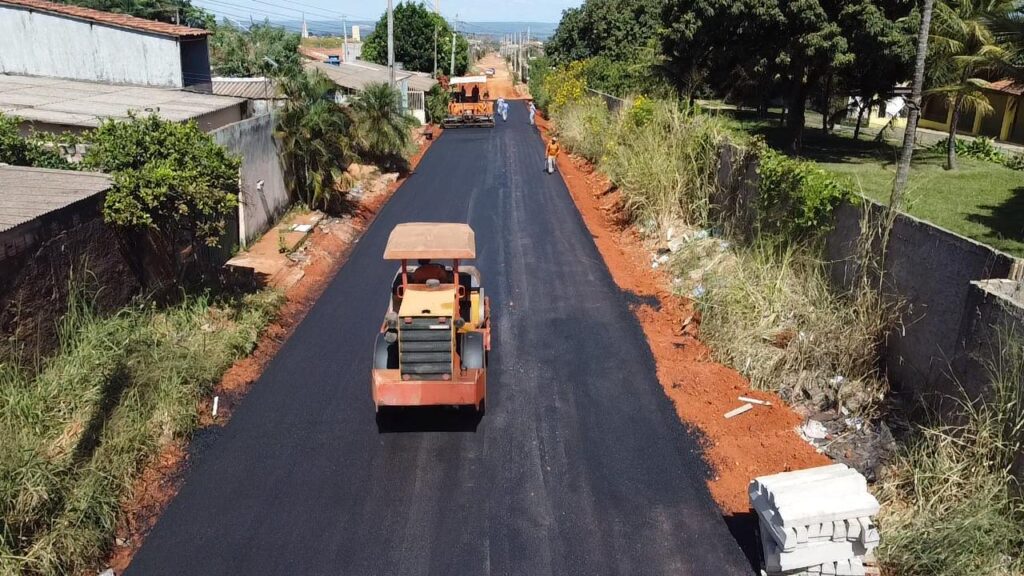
580 465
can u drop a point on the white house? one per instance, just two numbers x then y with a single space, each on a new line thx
40 38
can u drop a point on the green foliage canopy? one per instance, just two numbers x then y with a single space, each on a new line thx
18 150
415 26
314 132
782 46
171 11
382 128
615 29
262 50
169 178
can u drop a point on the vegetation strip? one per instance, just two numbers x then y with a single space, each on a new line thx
160 481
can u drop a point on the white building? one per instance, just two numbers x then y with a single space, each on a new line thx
40 38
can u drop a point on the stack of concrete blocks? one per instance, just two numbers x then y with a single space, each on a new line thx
815 522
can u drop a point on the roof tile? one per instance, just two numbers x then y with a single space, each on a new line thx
110 18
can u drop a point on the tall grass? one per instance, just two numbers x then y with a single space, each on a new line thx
951 505
662 155
77 431
768 310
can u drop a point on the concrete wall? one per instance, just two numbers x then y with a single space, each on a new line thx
928 271
221 118
264 195
40 44
34 291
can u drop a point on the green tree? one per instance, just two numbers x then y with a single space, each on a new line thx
382 128
570 40
415 28
171 11
615 29
262 50
882 41
172 182
968 54
18 150
314 135
795 44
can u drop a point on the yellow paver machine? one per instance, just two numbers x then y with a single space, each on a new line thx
469 103
432 347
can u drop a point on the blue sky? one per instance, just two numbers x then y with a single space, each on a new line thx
467 10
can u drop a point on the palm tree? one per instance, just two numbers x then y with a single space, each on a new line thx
968 52
382 128
313 131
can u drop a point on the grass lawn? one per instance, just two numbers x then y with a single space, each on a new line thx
981 200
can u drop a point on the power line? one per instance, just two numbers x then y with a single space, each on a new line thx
292 12
251 11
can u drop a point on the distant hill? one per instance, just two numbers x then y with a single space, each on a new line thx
538 30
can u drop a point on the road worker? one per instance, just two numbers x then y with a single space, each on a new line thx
552 154
428 270
502 108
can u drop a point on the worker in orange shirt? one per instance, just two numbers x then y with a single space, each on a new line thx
551 154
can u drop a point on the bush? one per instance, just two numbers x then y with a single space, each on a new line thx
1014 162
768 311
77 431
540 68
437 104
664 158
315 136
17 150
585 127
950 503
565 84
980 148
169 178
797 197
381 126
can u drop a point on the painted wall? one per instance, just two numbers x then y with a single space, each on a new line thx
264 196
37 44
929 271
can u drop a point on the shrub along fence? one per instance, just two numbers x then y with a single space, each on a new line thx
801 299
940 280
930 271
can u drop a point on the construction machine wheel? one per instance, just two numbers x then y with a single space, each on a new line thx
385 354
473 353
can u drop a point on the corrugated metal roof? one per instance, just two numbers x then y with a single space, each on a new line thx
356 75
250 88
111 18
85 104
1007 87
28 193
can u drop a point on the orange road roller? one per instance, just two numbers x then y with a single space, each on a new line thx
432 347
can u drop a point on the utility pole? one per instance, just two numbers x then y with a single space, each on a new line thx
344 35
455 28
526 75
391 43
519 54
435 51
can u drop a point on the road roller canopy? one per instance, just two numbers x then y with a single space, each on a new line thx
432 241
456 80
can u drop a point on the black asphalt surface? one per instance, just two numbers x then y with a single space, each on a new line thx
580 465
